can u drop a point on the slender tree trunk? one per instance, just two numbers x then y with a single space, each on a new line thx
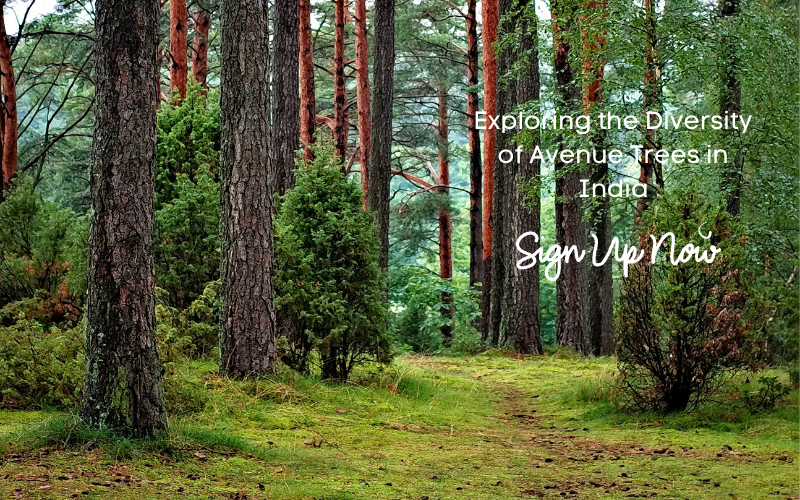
475 165
524 332
339 89
651 101
178 46
202 25
570 286
286 95
362 91
490 19
9 137
445 223
380 152
123 386
308 104
247 339
599 290
730 103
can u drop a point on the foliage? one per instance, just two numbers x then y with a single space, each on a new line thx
187 197
192 332
42 259
328 286
680 328
40 367
767 394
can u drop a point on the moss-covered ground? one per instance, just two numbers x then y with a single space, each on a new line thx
490 426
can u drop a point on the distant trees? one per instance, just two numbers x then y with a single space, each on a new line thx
123 387
178 45
247 338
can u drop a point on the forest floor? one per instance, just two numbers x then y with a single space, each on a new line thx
485 427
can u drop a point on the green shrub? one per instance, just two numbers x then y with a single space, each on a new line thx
192 332
764 396
329 290
39 367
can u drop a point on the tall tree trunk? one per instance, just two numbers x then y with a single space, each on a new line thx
247 339
651 101
123 385
308 104
286 95
339 88
380 151
202 25
599 290
523 333
9 137
570 286
490 19
475 165
178 46
445 223
362 91
731 102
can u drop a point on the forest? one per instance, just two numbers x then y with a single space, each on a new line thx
415 249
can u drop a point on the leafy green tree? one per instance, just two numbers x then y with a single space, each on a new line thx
328 285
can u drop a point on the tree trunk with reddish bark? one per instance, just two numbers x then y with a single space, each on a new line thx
178 46
9 119
445 222
248 323
362 91
285 95
570 286
123 385
475 163
202 26
339 87
308 104
490 21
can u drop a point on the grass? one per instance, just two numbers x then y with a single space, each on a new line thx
485 427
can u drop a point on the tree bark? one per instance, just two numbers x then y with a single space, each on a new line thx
362 91
202 25
445 222
286 95
308 104
490 19
123 386
380 152
247 339
178 46
599 289
731 102
475 164
339 88
10 126
570 286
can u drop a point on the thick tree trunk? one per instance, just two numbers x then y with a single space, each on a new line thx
445 223
599 290
362 91
286 95
339 88
123 386
178 46
524 332
202 25
9 130
731 102
475 164
490 19
380 152
570 286
247 339
308 104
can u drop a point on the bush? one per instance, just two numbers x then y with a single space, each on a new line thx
192 332
40 368
330 292
187 198
681 327
765 396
